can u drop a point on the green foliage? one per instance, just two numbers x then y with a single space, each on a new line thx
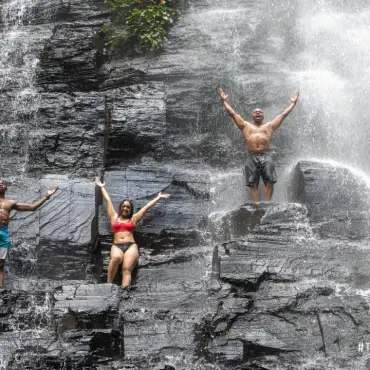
145 22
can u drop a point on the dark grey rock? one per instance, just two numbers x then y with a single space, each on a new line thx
184 213
336 197
84 307
54 241
82 317
70 60
70 135
65 231
265 218
272 295
171 229
293 296
80 349
137 123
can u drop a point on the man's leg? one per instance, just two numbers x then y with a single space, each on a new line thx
1 272
269 189
252 178
255 193
4 249
268 176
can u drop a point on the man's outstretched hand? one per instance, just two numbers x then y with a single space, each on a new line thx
222 94
294 99
49 193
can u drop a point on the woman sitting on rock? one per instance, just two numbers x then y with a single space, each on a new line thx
124 250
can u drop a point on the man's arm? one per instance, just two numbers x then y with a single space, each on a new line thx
278 120
32 207
230 111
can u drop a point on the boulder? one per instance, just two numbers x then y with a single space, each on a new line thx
291 295
337 198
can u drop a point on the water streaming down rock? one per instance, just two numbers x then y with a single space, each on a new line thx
26 321
20 46
286 285
330 60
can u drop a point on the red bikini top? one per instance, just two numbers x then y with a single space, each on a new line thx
119 227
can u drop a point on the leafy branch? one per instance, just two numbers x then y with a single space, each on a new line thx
144 22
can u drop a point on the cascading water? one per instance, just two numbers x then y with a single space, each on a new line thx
27 324
262 53
328 54
19 50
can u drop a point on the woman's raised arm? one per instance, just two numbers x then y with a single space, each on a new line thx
112 214
139 215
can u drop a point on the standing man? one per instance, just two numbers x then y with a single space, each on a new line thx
6 206
258 136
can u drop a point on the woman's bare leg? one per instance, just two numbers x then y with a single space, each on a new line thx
116 257
129 262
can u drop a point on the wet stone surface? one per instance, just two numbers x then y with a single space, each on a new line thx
270 286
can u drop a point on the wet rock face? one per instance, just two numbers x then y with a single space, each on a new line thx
280 291
277 297
249 217
70 135
172 226
55 241
137 123
291 298
81 317
337 199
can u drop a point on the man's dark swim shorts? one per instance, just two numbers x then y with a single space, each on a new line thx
260 165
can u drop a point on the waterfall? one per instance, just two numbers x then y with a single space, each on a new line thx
28 323
20 45
261 54
329 58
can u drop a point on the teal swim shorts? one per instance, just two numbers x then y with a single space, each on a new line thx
4 242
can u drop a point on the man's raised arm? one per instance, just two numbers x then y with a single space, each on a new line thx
278 120
34 206
230 111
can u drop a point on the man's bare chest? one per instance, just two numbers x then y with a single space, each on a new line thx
263 131
5 205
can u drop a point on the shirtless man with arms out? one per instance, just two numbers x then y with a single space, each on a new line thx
6 206
258 137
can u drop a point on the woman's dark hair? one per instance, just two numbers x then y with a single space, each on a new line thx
131 204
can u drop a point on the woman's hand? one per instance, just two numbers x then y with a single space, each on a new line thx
99 183
163 196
